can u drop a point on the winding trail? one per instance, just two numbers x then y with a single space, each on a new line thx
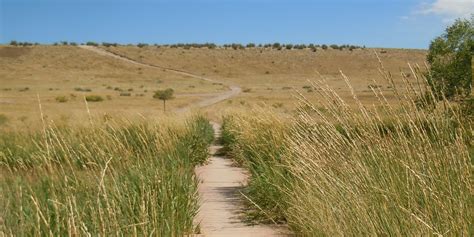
220 181
218 97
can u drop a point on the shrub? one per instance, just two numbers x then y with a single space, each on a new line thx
334 46
247 90
14 43
324 46
94 98
90 43
24 89
250 45
141 45
289 46
106 44
61 99
82 89
125 94
450 57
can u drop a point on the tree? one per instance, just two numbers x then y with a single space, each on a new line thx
164 95
450 59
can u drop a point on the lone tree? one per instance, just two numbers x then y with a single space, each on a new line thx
164 95
450 58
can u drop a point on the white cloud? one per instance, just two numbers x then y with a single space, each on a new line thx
449 9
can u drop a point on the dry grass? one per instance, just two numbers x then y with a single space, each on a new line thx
335 169
268 73
62 70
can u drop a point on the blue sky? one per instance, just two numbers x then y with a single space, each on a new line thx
374 23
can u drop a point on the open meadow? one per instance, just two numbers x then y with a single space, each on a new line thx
329 142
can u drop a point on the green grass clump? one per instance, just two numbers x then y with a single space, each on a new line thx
94 98
335 170
112 179
61 99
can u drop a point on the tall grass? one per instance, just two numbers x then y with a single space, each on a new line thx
120 179
336 169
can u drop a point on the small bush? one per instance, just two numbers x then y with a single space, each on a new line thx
247 90
324 46
125 94
105 44
82 89
24 89
142 45
250 45
90 43
13 43
94 98
61 99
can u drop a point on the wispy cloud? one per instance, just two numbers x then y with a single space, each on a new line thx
447 9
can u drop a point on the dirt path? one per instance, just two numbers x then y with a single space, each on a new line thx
218 97
221 182
221 209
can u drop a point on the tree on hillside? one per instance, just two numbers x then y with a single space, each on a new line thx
450 58
164 95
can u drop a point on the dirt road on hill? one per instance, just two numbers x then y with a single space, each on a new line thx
218 97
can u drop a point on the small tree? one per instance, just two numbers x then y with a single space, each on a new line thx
164 95
450 59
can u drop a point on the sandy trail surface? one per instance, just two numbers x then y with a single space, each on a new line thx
221 201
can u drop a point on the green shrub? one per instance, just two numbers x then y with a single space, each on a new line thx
82 89
61 99
125 94
90 43
94 98
142 45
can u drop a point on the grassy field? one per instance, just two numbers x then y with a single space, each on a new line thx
335 144
269 77
116 178
338 170
63 75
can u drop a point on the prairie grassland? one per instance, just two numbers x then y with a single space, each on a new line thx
114 178
269 76
337 170
63 75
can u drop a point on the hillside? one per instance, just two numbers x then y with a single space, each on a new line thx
268 77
